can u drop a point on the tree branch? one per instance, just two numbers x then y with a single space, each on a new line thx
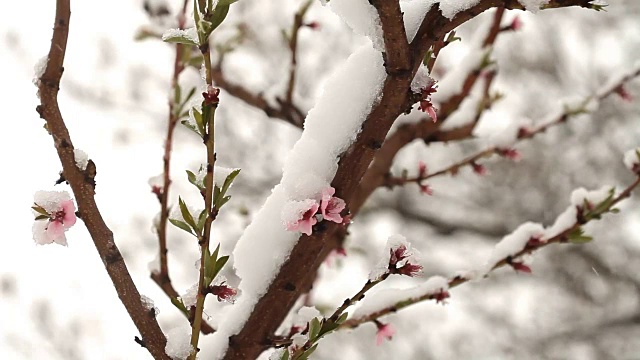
83 188
298 272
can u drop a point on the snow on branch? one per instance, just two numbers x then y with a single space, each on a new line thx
585 206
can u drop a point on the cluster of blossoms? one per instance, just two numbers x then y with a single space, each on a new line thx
403 260
425 102
302 215
55 214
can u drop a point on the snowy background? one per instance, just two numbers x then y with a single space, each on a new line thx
580 303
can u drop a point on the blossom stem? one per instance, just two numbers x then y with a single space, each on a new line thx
357 297
209 140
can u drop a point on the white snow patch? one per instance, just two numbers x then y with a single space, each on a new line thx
149 304
450 8
50 200
533 5
189 33
513 243
331 126
82 159
190 296
39 68
178 342
362 18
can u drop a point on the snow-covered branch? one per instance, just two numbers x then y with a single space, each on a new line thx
585 206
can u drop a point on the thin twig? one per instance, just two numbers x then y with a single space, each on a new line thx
162 278
559 238
523 134
83 186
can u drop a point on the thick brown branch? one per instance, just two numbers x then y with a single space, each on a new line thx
396 48
145 322
299 270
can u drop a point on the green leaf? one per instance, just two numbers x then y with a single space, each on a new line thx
226 2
177 94
181 225
209 261
314 328
190 126
577 236
285 355
180 38
40 210
219 14
342 318
192 177
186 215
180 305
42 217
201 219
220 264
196 61
305 355
229 180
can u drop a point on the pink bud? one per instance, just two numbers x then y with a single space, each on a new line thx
479 169
516 24
385 331
314 25
520 267
426 189
624 94
422 169
441 297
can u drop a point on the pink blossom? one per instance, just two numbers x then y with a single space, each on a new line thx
398 254
51 230
427 106
425 101
535 241
385 331
516 24
510 153
426 189
624 94
314 25
479 169
524 132
422 169
520 267
334 254
306 220
211 96
410 269
441 297
224 292
331 206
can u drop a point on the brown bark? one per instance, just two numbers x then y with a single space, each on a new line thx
83 185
